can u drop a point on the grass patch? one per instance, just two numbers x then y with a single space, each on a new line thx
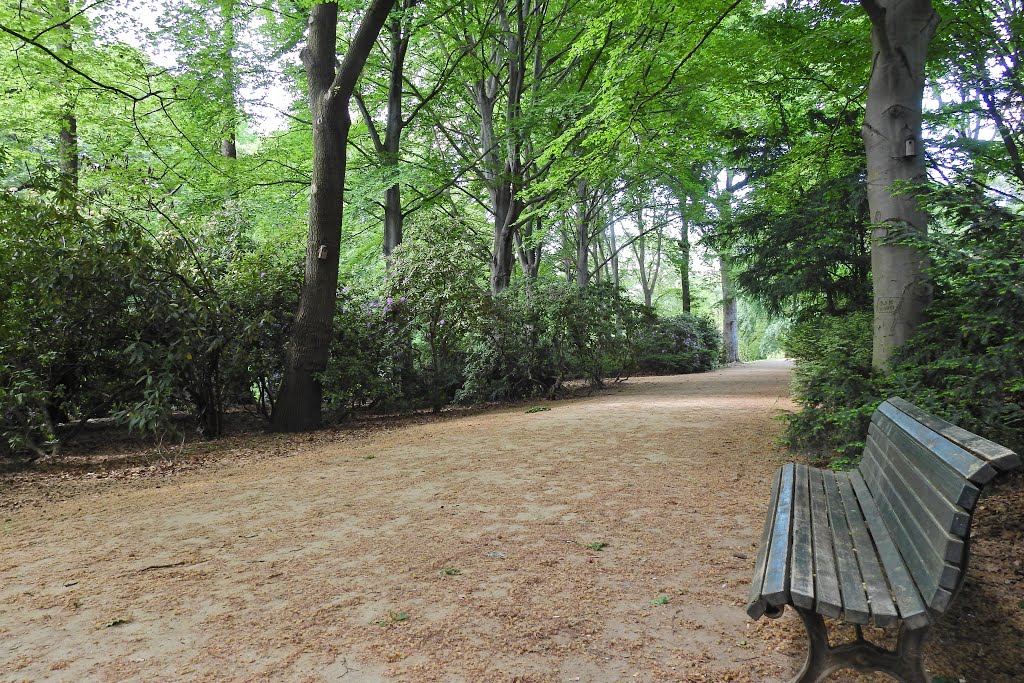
392 618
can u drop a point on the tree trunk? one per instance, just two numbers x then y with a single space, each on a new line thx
648 278
228 146
298 406
582 235
503 251
684 256
501 159
67 147
901 32
530 246
393 217
613 247
730 319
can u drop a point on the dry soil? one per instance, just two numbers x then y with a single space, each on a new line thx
609 538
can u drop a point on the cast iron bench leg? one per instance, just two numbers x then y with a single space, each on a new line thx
906 664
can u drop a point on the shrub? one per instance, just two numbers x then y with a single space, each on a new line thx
435 297
100 317
834 385
537 335
71 291
679 344
965 363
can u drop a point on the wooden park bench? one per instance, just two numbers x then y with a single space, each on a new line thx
885 544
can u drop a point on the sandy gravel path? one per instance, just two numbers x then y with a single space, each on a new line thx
455 550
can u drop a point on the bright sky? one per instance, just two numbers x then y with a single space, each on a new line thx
136 18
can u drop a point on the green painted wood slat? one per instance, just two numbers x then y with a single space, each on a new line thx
908 600
972 468
776 575
883 611
851 584
926 569
945 480
1000 457
801 588
756 604
948 516
908 504
827 599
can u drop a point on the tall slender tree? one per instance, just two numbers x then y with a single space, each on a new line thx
67 148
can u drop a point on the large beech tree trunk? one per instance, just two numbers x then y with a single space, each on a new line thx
299 402
901 32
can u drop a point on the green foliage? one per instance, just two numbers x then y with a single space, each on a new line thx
537 335
393 618
101 317
762 334
364 357
435 287
809 253
834 385
680 344
966 363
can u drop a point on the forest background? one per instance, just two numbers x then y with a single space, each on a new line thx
531 193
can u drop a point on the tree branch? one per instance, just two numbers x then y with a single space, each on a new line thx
359 50
72 68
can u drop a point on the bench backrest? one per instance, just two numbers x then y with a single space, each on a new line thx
925 475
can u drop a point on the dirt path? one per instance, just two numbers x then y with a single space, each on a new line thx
449 551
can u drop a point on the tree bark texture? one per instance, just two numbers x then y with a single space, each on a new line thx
228 147
730 318
393 216
582 235
67 144
900 35
615 253
298 406
503 167
648 272
684 256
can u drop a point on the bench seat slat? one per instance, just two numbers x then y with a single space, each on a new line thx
851 583
908 600
886 543
970 467
1000 457
776 575
883 611
827 599
949 516
756 604
801 587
